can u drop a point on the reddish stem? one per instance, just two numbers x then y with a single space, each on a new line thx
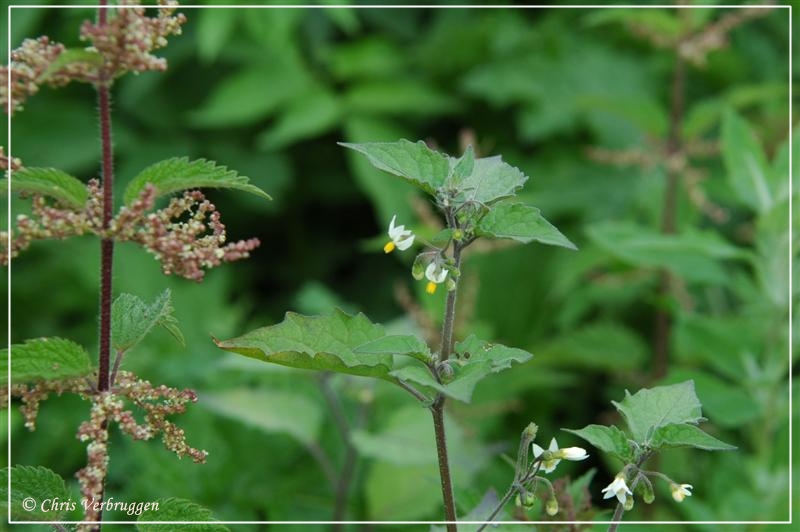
107 244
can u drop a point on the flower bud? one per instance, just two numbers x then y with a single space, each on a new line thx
628 505
551 507
446 373
418 268
528 499
530 432
450 284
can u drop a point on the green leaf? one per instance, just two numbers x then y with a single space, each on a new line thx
288 412
45 359
490 180
683 435
37 483
464 166
173 509
180 173
607 439
72 56
132 319
413 161
408 345
522 223
649 409
321 343
474 361
747 168
51 182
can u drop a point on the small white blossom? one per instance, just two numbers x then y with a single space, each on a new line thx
401 238
573 453
681 491
436 274
617 488
550 464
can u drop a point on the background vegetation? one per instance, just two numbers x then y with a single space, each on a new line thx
570 96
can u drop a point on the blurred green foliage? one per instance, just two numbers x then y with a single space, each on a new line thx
269 92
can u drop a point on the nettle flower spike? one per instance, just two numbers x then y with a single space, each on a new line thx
617 488
436 275
680 491
401 238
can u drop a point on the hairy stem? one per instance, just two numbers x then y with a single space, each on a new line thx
444 465
437 409
107 244
450 310
663 322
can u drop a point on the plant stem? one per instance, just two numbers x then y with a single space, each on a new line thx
450 310
663 322
444 466
106 244
437 409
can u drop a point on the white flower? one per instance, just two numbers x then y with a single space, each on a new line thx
618 488
573 453
680 491
436 274
401 238
549 464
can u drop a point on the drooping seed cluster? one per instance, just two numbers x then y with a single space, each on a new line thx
157 402
122 44
54 221
113 406
128 36
187 236
28 65
9 162
33 395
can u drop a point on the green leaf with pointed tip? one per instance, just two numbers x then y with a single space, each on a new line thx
490 180
50 182
472 350
649 409
179 173
413 161
43 359
475 360
464 166
608 439
683 435
406 344
195 518
748 171
321 343
132 319
522 223
37 483
72 56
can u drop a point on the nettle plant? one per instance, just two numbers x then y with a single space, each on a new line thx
475 196
186 236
